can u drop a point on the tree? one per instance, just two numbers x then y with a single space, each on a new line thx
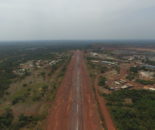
102 81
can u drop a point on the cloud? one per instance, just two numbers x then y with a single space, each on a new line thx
76 19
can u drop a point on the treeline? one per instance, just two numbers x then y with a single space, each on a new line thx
6 74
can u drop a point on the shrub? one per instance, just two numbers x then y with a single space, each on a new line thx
17 100
24 120
24 85
102 81
6 119
145 82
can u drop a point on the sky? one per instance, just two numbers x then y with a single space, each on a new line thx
76 19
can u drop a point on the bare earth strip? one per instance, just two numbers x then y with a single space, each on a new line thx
109 124
75 106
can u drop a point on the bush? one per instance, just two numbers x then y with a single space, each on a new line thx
102 81
17 100
134 69
130 76
6 119
104 69
37 98
44 88
24 85
145 82
24 120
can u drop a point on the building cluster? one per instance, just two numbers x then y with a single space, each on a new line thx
31 65
121 84
134 58
124 60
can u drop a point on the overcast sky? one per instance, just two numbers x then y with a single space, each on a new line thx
76 19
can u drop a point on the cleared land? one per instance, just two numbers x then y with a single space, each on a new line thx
75 105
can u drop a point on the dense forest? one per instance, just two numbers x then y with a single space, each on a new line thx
132 109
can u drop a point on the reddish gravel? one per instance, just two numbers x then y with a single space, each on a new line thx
75 106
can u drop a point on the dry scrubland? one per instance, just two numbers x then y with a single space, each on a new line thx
28 85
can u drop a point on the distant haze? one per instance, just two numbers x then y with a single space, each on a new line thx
76 19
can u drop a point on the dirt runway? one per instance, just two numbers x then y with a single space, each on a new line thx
75 106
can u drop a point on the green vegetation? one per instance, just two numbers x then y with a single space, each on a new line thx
31 92
92 58
102 81
13 55
132 109
150 62
103 69
5 76
96 68
131 76
30 95
134 69
145 82
133 72
24 120
6 119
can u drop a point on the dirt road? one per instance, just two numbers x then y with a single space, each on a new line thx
75 106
